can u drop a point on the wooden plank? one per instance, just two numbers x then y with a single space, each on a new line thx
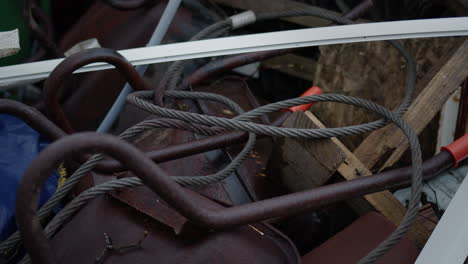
384 201
390 141
294 65
303 164
262 6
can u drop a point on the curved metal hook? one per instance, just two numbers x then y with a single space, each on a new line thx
69 65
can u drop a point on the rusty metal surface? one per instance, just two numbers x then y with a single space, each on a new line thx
57 77
155 178
82 239
146 202
99 21
351 244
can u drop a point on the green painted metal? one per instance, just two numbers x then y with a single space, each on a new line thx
11 18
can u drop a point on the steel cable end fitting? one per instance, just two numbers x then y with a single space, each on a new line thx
314 90
243 19
458 149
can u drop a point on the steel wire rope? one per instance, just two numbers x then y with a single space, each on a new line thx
387 244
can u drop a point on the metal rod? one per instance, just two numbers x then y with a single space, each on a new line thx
190 148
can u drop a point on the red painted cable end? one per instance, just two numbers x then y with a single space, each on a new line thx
458 149
314 90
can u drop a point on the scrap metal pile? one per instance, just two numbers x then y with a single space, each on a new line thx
188 161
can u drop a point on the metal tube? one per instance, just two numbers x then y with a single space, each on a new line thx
156 38
155 178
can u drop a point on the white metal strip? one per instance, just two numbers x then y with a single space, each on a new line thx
449 241
448 120
258 42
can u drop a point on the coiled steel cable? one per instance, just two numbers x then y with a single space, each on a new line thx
141 100
387 244
130 133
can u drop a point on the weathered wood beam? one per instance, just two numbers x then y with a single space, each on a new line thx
390 141
384 202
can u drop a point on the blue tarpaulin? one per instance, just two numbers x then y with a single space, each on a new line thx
19 145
